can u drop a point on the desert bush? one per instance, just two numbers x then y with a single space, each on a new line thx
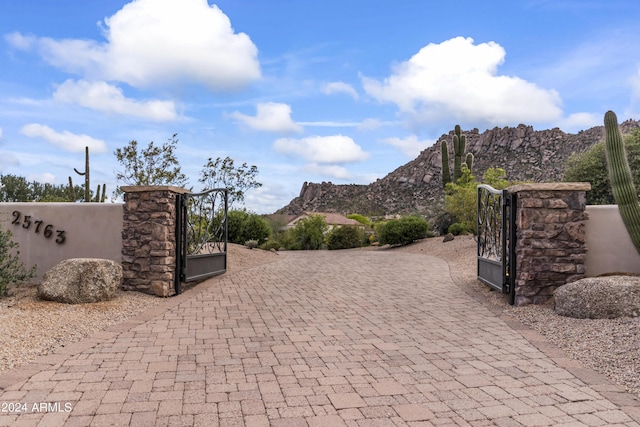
591 166
457 228
308 233
461 198
361 219
243 226
403 231
256 228
345 237
12 270
251 244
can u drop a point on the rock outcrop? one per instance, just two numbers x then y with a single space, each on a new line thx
526 155
81 280
599 298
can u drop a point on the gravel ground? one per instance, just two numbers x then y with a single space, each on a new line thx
611 347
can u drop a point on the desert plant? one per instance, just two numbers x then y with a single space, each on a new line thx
345 237
87 183
591 166
360 218
308 233
251 244
461 198
12 270
621 180
457 228
243 226
459 146
402 231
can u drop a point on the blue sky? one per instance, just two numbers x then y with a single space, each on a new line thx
341 91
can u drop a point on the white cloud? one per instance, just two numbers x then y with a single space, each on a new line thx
340 87
322 149
158 42
409 146
104 97
270 117
45 177
65 139
580 121
458 80
331 171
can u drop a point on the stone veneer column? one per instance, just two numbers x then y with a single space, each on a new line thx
149 240
550 246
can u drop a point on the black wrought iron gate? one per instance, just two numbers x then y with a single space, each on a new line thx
496 239
201 235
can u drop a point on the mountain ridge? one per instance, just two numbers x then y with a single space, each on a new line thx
416 186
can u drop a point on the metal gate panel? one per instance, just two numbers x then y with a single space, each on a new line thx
496 239
201 235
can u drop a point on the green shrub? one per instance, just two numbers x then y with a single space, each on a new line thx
243 226
256 228
591 166
361 219
345 237
235 221
12 270
251 244
457 228
403 231
308 233
461 198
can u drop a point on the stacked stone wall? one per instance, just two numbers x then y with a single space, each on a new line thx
550 247
148 239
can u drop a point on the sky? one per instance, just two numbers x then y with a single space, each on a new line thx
319 91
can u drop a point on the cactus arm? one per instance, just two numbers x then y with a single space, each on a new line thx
469 160
624 192
446 173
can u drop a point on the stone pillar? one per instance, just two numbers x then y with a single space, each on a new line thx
149 239
550 247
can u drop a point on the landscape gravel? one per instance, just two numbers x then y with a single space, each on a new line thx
610 346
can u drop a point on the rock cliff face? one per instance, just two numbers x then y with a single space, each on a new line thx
416 187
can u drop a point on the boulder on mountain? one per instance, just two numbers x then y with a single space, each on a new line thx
606 297
81 280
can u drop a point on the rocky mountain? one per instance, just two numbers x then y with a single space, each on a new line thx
416 187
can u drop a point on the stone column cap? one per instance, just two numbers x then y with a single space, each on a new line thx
149 188
551 186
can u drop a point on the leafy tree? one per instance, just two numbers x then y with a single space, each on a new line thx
591 166
256 228
153 165
345 237
361 219
12 270
308 233
243 226
461 198
402 231
222 173
235 221
15 188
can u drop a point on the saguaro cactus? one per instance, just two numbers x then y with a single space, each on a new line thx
87 182
624 192
459 145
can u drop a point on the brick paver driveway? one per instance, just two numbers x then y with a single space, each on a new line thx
319 339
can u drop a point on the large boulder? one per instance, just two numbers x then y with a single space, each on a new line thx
81 280
599 298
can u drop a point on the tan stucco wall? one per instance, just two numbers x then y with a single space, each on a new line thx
610 249
91 230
